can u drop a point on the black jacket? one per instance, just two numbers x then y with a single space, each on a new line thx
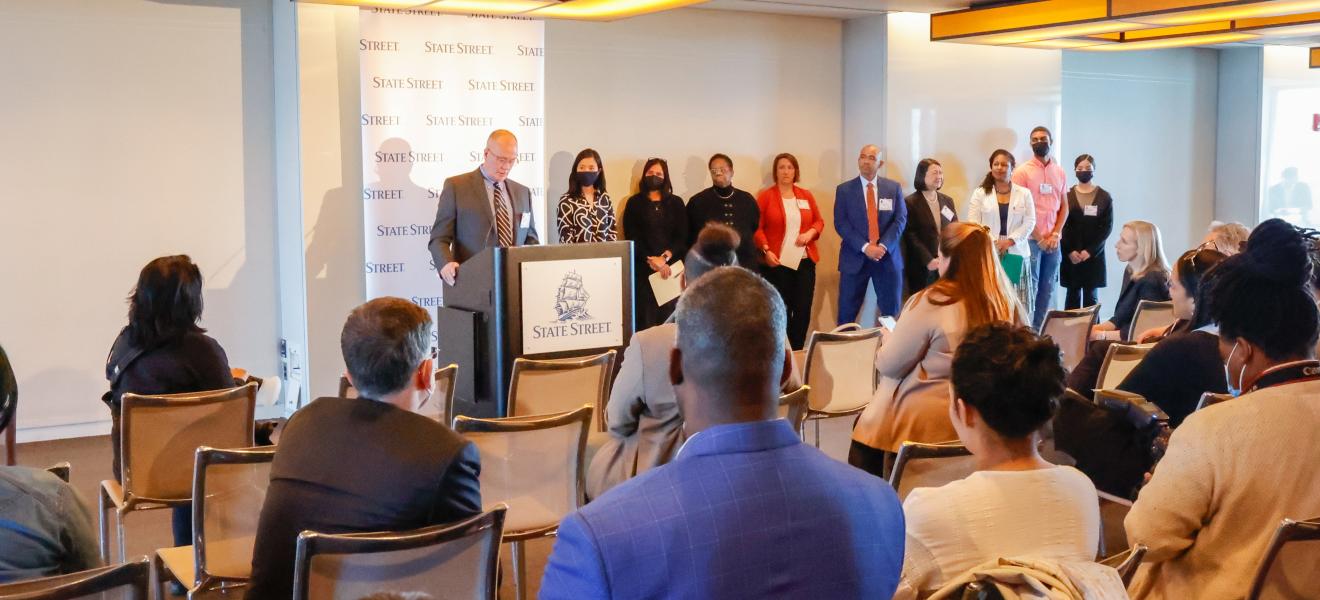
738 211
348 465
1154 285
1089 233
1194 357
920 239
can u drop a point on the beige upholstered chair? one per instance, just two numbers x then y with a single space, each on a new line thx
929 465
1071 330
158 436
455 560
533 465
1150 314
441 406
1126 562
1291 565
125 581
841 375
1211 398
547 387
228 491
1110 397
793 407
1120 360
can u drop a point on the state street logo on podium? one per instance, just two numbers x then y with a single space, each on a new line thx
571 305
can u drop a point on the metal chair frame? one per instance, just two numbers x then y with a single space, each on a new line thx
310 544
1211 399
1126 562
464 424
796 403
1093 311
1288 531
121 496
1144 306
203 579
605 360
1118 352
911 451
76 586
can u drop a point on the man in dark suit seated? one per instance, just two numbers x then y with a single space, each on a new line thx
482 208
370 463
745 510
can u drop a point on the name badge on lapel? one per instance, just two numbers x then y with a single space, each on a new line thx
526 220
948 214
802 205
885 204
1046 188
1091 210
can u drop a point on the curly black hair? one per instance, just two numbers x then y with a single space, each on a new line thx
1013 377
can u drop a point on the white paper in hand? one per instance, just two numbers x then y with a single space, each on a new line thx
791 254
667 289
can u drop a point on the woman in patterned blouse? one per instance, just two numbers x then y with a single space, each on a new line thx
585 212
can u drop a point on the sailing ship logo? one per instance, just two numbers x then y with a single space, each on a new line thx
571 299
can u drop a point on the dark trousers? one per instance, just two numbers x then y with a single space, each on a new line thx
887 280
1078 297
796 288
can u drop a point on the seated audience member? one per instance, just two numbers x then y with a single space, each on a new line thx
163 351
45 528
1234 470
1193 355
646 429
1006 383
1227 238
1145 278
370 463
746 510
912 401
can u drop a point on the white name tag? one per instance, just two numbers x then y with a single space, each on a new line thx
1091 210
885 204
1046 188
948 214
526 220
802 204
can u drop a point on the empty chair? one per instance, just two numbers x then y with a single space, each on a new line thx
533 465
125 581
455 560
546 387
228 491
840 373
158 436
1120 360
1070 329
929 465
1150 314
793 407
1126 562
1291 565
1211 398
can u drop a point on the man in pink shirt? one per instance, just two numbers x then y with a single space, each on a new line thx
1049 187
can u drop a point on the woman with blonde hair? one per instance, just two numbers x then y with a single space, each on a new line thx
914 361
1146 277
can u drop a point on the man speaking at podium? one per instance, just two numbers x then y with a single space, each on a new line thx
482 208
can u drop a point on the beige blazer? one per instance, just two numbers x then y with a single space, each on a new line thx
914 363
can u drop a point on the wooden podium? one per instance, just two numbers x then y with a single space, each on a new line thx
534 301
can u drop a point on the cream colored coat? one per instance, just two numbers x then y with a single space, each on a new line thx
1232 472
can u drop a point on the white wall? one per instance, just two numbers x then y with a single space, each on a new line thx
1147 118
1238 134
138 129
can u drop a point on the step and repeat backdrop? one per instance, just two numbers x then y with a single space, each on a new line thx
433 88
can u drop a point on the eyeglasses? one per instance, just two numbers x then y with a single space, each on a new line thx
718 171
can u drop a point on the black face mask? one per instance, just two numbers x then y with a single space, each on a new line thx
1041 149
586 178
653 183
1085 176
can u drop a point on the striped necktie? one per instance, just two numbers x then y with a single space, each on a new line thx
503 222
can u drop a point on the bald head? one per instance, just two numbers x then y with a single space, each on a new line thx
500 155
869 161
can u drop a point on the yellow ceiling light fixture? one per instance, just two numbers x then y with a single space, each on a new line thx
1315 58
977 25
1053 33
1064 44
487 7
1175 42
607 10
587 10
1187 12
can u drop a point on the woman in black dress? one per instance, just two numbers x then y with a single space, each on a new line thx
656 222
1090 221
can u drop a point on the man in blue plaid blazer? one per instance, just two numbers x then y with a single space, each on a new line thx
746 510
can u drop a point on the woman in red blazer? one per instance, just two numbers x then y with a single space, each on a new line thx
790 226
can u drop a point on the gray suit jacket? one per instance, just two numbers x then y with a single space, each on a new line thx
465 223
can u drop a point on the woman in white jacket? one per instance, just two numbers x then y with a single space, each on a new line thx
1010 212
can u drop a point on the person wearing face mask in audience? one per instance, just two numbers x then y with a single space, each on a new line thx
1234 470
1090 221
656 221
1047 183
727 205
929 211
585 212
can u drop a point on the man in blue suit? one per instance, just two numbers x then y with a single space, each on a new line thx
745 510
869 214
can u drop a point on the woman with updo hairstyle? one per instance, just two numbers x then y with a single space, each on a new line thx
1006 386
1235 469
912 401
